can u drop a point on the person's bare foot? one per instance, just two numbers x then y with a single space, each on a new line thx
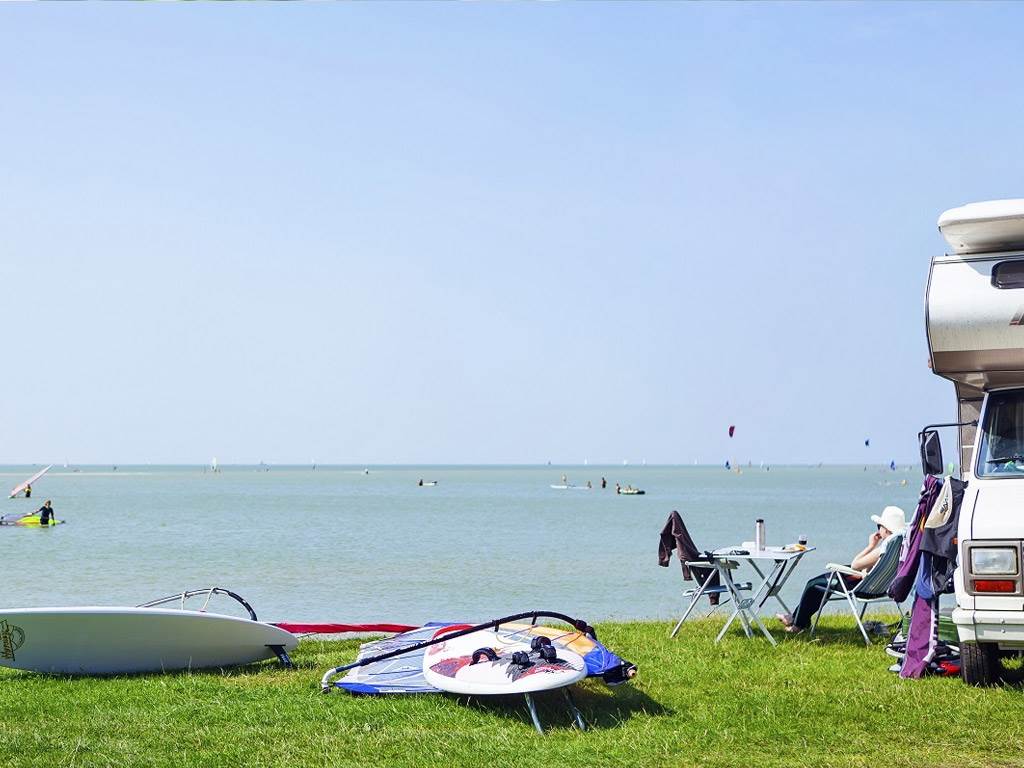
785 618
793 629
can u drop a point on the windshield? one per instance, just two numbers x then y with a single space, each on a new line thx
1002 436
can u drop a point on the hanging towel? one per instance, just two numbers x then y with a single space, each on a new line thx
922 638
901 585
939 538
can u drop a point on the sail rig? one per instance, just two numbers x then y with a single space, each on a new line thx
20 487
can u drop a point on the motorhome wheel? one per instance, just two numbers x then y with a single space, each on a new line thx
979 663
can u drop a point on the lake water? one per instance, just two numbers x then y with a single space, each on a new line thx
337 544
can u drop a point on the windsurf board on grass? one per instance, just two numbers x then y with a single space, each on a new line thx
489 662
20 487
98 640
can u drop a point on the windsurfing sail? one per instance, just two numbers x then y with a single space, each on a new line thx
14 517
403 673
20 488
333 628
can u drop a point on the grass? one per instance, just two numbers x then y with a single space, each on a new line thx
827 702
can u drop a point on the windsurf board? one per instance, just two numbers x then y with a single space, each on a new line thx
28 521
99 640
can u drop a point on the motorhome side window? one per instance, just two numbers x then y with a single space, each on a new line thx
1002 439
1008 274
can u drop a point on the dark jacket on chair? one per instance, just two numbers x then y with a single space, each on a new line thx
675 536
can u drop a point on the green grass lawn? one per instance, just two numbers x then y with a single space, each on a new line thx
827 702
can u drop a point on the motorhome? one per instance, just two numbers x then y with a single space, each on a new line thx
974 314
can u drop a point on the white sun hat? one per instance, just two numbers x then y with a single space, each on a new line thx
893 518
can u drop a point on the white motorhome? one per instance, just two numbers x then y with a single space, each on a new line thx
974 312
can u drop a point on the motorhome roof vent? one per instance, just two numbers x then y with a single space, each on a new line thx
992 226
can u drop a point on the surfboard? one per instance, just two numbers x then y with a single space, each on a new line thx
482 663
571 487
26 483
98 640
27 521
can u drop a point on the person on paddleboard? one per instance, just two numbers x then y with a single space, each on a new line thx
46 514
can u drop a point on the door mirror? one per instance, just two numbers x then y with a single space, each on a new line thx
931 452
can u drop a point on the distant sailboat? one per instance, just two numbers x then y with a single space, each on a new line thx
214 467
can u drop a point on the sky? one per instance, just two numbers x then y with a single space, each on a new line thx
486 233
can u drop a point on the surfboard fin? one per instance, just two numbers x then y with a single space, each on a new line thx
282 656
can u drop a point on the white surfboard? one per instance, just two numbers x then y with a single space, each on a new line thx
99 640
449 666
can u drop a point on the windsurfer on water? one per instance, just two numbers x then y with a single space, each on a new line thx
46 514
28 491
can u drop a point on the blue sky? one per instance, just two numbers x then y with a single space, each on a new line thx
486 233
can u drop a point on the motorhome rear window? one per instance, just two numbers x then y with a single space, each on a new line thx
1008 274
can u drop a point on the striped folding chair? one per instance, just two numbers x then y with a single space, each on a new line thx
870 589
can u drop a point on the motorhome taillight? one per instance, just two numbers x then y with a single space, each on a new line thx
1001 586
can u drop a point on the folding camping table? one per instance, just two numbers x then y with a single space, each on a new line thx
773 565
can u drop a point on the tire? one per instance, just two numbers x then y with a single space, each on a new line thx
979 663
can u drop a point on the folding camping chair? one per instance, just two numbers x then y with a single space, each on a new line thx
706 590
871 589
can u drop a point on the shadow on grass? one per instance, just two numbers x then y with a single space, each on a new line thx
832 631
601 706
239 670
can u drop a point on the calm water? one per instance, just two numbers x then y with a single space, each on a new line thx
338 544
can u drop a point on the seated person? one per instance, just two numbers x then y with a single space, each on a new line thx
892 520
